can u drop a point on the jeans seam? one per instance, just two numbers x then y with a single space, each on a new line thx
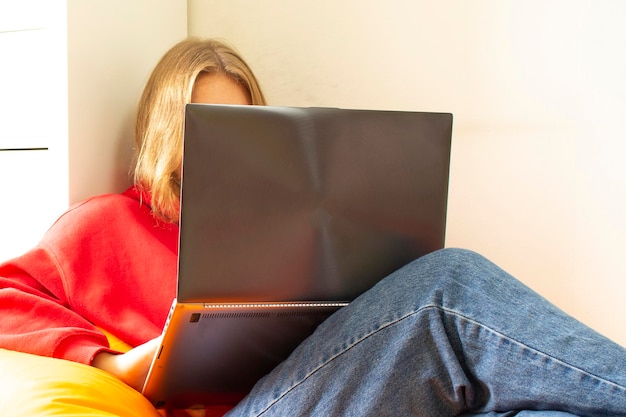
416 312
526 346
338 354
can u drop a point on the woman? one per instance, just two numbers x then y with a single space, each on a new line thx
449 334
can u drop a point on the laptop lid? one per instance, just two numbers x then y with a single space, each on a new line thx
286 214
307 204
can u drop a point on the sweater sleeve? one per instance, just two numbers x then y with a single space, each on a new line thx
106 263
36 317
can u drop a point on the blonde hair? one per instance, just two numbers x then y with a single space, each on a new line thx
160 118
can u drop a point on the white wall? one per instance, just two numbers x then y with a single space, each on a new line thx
33 120
83 65
538 93
112 47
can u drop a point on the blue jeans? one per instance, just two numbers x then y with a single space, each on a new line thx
450 334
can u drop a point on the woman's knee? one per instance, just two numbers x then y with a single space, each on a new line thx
451 262
450 270
455 256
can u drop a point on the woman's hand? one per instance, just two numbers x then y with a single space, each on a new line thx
131 367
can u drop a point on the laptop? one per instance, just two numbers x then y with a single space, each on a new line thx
287 215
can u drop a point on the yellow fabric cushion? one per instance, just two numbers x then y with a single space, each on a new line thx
116 343
33 385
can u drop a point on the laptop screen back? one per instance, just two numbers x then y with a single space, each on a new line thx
306 204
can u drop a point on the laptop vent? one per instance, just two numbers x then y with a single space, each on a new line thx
235 315
299 314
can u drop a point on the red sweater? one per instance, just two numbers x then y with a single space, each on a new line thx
105 263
